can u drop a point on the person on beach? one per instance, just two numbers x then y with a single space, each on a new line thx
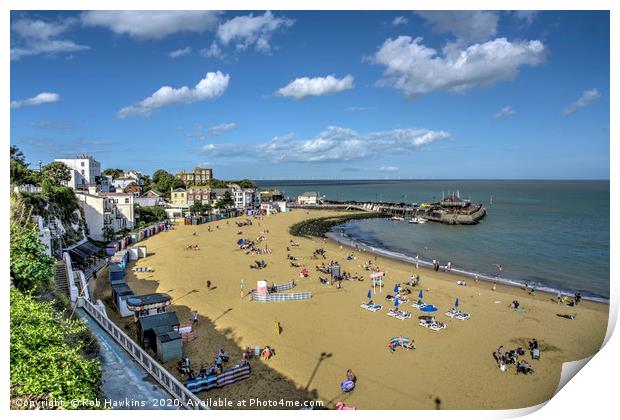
208 284
351 376
266 354
449 266
559 298
194 317
577 298
494 287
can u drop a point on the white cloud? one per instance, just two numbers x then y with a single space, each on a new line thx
585 99
389 169
400 20
333 144
317 86
416 69
465 25
214 51
152 24
527 16
217 129
213 85
505 112
180 52
41 98
358 109
34 37
249 30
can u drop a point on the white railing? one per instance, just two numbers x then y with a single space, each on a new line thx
73 290
185 397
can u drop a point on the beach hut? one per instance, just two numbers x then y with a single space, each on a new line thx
261 287
142 251
116 273
160 332
121 293
151 304
133 254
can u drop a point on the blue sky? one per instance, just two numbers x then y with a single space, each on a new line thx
317 95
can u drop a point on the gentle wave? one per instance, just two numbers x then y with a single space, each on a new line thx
347 240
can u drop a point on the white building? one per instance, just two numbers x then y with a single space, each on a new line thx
245 198
84 170
149 199
102 210
308 198
135 175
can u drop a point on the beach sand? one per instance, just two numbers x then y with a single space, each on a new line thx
323 337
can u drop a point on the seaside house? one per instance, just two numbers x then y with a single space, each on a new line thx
84 170
309 197
133 189
200 194
178 198
106 210
245 198
135 175
200 176
271 196
149 199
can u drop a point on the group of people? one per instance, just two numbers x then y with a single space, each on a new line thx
505 358
192 247
215 369
567 301
258 265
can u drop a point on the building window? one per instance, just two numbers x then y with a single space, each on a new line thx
82 164
126 201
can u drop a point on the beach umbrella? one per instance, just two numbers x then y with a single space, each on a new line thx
240 241
420 295
396 288
456 304
396 303
369 294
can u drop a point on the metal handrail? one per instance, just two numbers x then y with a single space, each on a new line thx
185 397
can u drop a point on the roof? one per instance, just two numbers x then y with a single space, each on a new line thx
309 194
165 319
151 193
150 299
179 189
165 334
83 250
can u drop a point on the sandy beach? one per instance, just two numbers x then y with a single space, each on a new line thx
323 337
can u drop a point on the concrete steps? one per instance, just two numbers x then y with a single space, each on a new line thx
60 278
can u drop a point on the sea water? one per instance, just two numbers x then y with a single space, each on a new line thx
550 234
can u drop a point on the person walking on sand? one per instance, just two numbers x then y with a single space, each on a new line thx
449 266
494 287
194 317
208 284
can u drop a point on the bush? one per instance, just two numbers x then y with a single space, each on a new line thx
31 268
43 363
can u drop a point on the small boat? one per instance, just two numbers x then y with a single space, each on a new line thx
397 218
417 220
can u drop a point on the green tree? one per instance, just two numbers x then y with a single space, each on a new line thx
164 181
20 174
108 234
47 355
150 214
53 175
246 183
196 208
31 268
113 172
225 201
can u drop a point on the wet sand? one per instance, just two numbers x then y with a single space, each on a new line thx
323 337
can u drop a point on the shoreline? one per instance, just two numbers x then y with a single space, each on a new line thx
398 256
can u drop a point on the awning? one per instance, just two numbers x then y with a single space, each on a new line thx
83 251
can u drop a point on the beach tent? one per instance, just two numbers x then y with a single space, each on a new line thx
377 279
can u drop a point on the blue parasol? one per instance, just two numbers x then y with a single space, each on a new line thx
428 308
396 303
420 295
456 304
369 294
396 288
240 241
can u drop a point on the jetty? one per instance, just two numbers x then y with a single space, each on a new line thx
451 210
